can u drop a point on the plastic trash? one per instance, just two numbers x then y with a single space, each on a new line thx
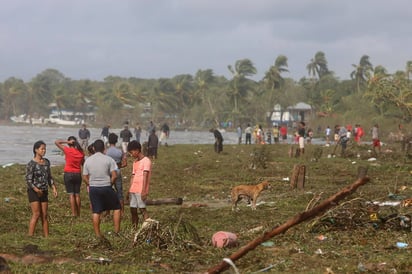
401 245
268 243
224 239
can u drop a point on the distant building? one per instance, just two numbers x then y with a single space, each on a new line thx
296 113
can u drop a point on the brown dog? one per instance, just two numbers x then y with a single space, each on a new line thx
251 192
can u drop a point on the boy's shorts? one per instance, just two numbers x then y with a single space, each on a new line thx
136 201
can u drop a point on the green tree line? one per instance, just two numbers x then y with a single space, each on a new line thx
205 99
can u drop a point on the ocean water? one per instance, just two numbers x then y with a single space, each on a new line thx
16 142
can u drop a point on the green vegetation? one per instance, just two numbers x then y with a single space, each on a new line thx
204 99
351 242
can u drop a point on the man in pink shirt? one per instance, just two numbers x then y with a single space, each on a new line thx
139 182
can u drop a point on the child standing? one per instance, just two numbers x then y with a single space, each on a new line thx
139 182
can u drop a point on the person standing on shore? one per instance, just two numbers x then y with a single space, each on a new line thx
276 134
105 134
239 134
283 133
84 136
39 179
150 128
327 134
99 173
74 156
125 134
139 182
248 132
120 158
137 132
152 144
164 133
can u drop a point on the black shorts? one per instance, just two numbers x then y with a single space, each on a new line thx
72 181
33 197
103 198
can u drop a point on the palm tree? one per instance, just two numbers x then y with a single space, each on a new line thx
273 80
239 83
362 72
203 80
13 88
318 65
183 89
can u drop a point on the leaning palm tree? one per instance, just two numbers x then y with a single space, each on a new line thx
318 65
362 72
238 85
203 80
273 80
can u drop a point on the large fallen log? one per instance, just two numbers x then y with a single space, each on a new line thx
165 201
300 217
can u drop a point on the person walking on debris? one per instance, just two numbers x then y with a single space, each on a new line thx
218 140
139 182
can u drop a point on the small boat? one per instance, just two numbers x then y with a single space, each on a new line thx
63 120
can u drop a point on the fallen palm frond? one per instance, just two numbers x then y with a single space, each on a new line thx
169 234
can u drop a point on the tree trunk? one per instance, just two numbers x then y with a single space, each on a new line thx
300 217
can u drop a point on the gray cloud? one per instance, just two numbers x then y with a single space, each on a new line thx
163 38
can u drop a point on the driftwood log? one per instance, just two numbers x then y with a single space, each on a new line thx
301 217
165 201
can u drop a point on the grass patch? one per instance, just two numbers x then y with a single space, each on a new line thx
204 179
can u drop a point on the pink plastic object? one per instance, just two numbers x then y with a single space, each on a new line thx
224 239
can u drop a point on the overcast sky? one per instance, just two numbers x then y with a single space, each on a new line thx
92 39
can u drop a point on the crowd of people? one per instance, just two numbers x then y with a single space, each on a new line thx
99 166
301 135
